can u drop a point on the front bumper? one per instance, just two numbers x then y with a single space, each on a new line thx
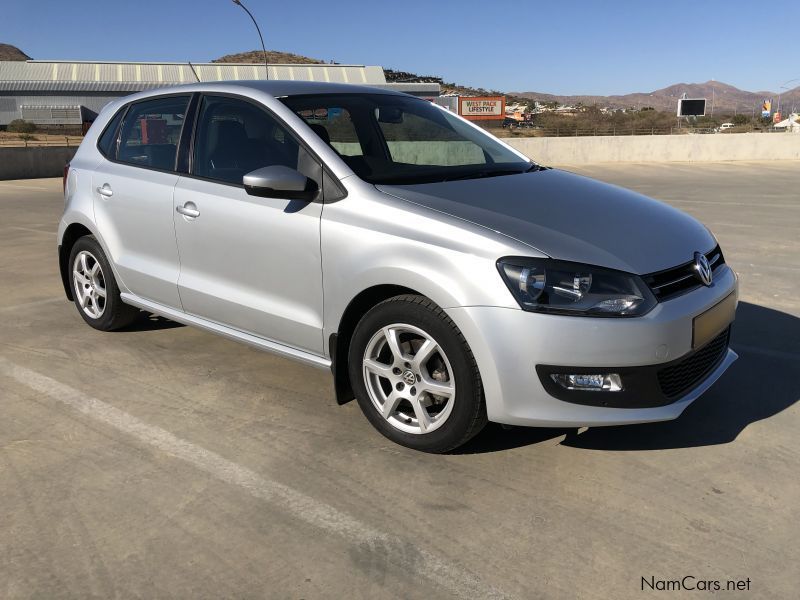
509 344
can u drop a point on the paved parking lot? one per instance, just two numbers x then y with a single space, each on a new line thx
162 461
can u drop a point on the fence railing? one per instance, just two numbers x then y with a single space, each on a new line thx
70 141
567 131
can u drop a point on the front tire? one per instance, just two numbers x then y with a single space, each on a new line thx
415 377
94 288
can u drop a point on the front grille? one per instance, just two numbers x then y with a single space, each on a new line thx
679 280
681 377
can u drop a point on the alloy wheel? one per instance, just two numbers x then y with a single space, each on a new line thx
409 378
89 284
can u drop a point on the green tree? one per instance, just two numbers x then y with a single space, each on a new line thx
740 120
21 126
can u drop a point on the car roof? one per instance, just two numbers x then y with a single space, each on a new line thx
280 88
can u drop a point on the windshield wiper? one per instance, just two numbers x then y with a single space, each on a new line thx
493 173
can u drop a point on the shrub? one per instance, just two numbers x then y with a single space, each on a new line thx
21 126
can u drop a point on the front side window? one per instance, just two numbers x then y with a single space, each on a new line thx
235 137
394 139
151 131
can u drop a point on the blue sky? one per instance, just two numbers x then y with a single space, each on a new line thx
562 47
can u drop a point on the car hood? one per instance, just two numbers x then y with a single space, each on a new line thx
570 217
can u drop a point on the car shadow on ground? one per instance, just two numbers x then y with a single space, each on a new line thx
762 383
149 322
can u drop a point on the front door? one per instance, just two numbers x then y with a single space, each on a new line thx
247 262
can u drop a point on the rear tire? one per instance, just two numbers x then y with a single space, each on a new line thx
415 377
94 289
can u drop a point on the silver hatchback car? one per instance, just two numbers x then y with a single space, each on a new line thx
444 278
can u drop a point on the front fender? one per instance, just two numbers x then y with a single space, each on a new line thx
372 239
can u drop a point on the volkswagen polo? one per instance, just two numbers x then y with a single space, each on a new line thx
444 278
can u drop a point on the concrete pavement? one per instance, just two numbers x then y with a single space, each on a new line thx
162 461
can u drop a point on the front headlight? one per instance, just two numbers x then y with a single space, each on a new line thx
554 286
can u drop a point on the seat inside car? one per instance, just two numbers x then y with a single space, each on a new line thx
228 145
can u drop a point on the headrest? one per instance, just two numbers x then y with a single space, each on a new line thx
321 132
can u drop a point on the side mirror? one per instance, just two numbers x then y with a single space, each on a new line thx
277 181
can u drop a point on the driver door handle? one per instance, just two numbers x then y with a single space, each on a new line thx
188 210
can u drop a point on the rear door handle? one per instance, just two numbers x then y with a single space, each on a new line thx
188 210
105 191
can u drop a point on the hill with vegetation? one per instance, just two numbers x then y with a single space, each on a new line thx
725 98
273 56
9 52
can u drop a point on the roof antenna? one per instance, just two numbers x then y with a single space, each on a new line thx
191 66
258 29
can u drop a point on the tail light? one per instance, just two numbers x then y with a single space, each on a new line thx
66 173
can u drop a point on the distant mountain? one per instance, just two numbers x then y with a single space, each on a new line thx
273 56
9 52
725 97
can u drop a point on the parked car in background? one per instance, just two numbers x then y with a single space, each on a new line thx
725 127
444 278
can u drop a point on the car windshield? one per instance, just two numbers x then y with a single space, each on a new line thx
393 139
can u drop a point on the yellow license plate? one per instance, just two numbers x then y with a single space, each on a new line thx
706 326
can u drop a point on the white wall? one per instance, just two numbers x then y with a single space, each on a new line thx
659 148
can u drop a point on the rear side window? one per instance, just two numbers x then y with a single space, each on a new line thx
107 144
235 137
151 132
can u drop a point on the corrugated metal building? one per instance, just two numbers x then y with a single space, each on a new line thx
70 93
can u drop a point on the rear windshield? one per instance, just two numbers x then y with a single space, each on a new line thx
392 139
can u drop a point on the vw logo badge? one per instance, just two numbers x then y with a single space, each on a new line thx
409 378
702 268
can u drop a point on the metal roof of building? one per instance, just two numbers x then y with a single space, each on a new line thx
121 76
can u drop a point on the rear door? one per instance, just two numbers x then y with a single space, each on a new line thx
133 198
247 262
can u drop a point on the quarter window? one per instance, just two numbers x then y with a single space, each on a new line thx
235 137
151 132
108 139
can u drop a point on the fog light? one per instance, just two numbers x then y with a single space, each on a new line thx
601 382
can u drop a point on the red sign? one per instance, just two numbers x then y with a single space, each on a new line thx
482 108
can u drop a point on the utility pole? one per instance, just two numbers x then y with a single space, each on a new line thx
258 29
713 97
780 92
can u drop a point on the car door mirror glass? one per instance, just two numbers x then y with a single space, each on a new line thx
278 181
389 114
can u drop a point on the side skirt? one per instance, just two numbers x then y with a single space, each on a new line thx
233 334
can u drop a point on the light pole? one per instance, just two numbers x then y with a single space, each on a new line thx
258 29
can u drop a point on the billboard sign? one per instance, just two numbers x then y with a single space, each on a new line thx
766 107
482 108
691 107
